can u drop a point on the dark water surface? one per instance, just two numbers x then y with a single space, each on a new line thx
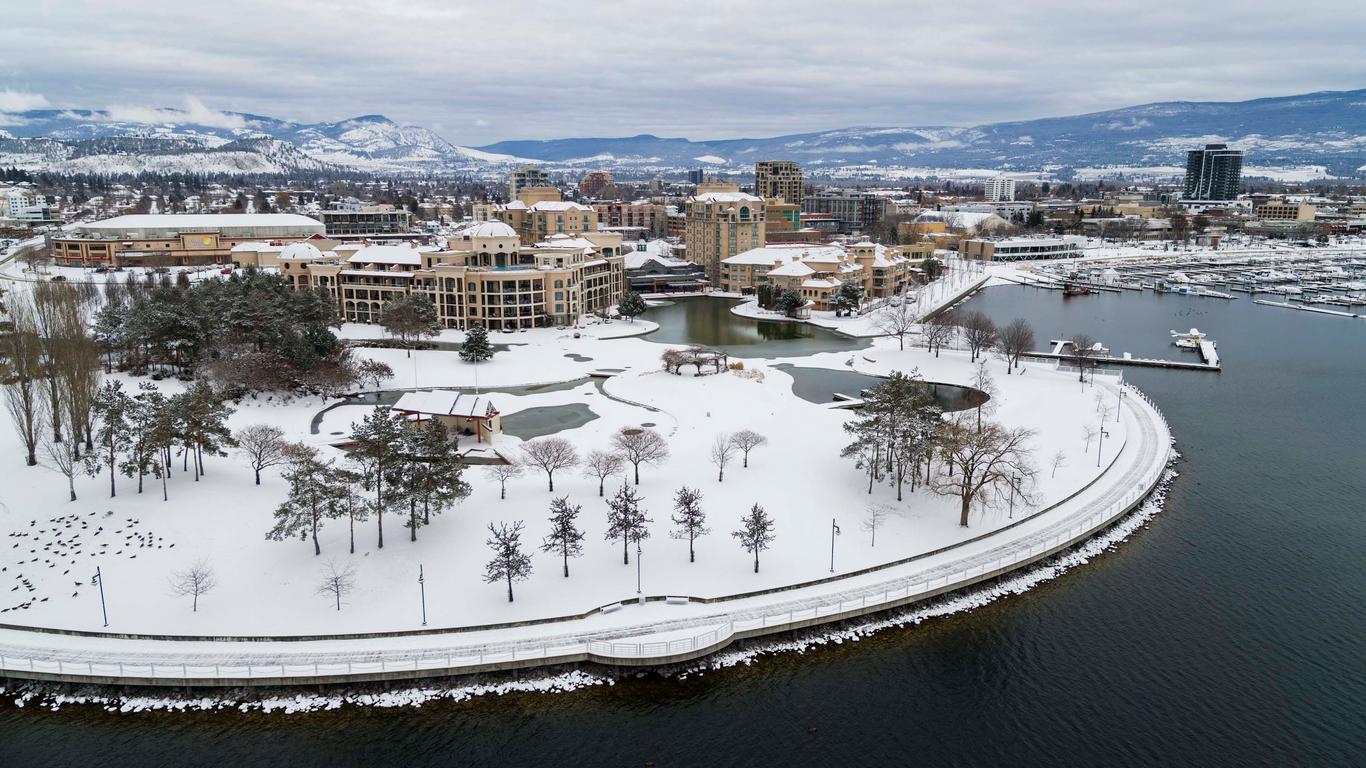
1231 632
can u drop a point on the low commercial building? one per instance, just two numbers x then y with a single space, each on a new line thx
1022 248
652 268
1284 210
175 239
483 275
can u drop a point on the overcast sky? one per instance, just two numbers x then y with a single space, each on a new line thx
483 72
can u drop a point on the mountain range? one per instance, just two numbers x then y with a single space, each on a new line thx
1305 136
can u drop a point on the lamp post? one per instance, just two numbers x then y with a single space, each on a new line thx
640 596
98 578
1100 447
834 531
422 589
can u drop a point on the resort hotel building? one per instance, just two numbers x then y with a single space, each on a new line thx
482 275
816 271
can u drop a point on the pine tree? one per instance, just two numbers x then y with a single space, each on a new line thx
689 518
143 417
476 348
378 437
564 538
631 305
409 318
509 562
431 473
111 408
756 532
626 520
302 512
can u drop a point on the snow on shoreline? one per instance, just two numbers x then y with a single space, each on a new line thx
53 697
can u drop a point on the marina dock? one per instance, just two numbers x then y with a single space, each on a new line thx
1209 358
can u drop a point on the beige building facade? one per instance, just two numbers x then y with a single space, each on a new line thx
484 275
781 179
721 224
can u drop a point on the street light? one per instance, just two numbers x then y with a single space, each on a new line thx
1100 447
834 531
422 587
640 596
98 578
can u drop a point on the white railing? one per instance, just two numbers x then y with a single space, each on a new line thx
847 604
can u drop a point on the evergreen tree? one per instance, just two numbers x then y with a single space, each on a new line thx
631 305
303 510
755 533
509 562
626 520
430 471
410 318
564 538
789 303
111 407
476 348
378 438
689 517
203 419
143 417
342 500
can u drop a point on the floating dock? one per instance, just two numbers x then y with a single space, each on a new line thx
1210 358
1306 308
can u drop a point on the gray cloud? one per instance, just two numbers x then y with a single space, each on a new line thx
490 71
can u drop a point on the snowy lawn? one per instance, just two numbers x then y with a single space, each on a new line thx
267 587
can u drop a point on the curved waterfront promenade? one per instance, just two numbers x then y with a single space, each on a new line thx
663 630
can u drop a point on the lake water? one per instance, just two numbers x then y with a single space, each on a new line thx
1231 631
709 322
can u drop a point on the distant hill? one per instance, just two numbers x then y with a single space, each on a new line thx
1311 135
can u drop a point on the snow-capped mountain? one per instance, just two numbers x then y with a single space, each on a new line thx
1326 129
172 140
1317 134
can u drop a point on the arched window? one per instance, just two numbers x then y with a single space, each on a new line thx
744 213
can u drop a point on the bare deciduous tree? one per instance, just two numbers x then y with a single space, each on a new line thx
986 460
1089 433
898 319
979 332
1059 460
264 446
1084 351
503 473
337 582
940 330
602 465
23 375
194 581
509 562
63 457
550 454
641 445
873 518
1015 339
747 440
722 451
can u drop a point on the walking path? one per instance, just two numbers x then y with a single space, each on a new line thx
662 630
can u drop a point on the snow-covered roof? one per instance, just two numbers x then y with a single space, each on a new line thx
725 197
389 254
300 250
792 269
775 252
488 229
445 402
546 205
196 221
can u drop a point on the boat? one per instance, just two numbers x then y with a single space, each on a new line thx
1189 339
1075 289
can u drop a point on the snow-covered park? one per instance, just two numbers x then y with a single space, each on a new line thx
52 547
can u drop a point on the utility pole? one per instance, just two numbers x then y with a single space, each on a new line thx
99 579
422 588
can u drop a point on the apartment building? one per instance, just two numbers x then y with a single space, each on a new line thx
538 212
1000 189
594 182
780 179
816 271
856 211
483 275
367 220
652 218
1213 173
721 222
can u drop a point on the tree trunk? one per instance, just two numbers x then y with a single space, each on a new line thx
352 522
551 477
746 464
692 556
509 586
412 520
317 550
967 505
566 562
637 466
601 481
258 475
625 553
756 559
